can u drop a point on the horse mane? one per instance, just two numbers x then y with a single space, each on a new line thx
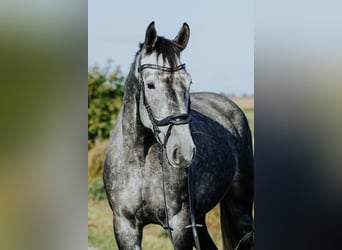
166 48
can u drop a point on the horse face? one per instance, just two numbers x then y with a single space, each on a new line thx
167 95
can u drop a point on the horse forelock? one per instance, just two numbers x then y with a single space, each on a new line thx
166 48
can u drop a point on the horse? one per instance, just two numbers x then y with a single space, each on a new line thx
173 156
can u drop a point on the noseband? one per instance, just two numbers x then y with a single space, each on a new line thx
169 120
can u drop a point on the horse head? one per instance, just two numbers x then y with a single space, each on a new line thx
164 99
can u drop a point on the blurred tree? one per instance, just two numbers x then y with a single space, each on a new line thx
105 92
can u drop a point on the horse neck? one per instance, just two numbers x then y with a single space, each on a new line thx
133 131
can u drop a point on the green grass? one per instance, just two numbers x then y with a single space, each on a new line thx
101 240
100 229
95 189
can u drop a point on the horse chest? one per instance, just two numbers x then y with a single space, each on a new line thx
128 190
153 194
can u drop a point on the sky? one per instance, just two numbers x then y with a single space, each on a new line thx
220 52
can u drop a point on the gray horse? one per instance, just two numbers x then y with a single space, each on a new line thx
161 135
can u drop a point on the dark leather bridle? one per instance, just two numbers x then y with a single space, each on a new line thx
170 121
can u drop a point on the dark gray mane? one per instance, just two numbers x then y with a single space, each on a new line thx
166 48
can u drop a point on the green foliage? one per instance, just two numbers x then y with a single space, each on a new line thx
105 92
96 190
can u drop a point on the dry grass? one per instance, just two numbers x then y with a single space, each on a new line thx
96 157
214 227
245 102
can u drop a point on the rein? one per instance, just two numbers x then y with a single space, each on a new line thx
168 121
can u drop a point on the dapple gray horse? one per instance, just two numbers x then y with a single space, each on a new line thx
162 133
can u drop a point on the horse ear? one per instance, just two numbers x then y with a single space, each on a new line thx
150 37
182 38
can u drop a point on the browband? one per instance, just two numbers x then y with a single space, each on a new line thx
158 67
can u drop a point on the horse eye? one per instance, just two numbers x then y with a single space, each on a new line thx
151 86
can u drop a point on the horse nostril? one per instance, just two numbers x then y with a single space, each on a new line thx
181 160
193 153
175 156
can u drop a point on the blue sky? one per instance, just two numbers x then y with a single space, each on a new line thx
220 52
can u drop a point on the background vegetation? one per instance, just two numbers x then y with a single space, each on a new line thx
105 92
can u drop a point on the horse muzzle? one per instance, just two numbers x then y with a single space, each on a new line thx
180 148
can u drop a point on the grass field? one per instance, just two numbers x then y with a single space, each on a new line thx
100 231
